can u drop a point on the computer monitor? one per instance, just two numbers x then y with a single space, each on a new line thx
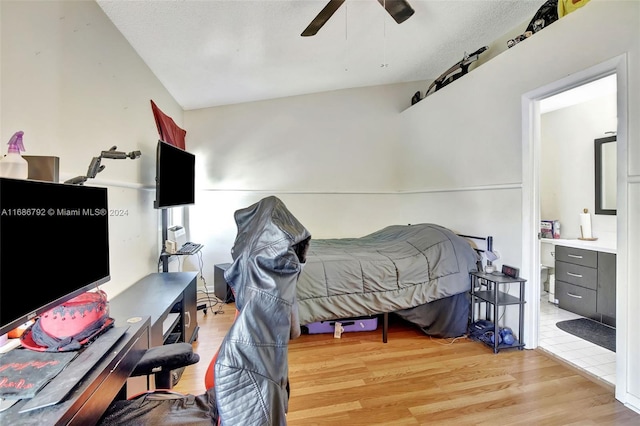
54 245
175 176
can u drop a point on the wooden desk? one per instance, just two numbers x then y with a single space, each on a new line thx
86 403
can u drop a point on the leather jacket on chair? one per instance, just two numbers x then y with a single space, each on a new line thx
251 370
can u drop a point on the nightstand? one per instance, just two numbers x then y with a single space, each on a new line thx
488 294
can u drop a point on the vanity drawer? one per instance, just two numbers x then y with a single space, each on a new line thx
577 256
577 274
576 299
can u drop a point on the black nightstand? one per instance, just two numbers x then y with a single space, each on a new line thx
487 289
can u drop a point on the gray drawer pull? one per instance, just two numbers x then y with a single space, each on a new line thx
575 256
574 295
574 275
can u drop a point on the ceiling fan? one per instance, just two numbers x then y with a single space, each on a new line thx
399 10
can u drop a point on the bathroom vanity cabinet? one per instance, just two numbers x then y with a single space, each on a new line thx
586 283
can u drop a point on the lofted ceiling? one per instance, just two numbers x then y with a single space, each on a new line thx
218 52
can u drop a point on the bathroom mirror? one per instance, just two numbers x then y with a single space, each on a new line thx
605 155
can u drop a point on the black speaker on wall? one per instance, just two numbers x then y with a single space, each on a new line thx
220 287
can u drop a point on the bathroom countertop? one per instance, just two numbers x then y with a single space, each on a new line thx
604 245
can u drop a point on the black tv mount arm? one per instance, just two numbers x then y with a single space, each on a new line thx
95 167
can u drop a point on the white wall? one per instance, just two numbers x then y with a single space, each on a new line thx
567 169
75 86
335 141
330 157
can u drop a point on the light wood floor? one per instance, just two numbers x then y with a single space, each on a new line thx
415 380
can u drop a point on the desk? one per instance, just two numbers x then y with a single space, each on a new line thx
168 298
153 298
91 397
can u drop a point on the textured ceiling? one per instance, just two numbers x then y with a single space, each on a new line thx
215 52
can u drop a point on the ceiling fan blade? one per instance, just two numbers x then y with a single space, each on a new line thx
399 10
322 17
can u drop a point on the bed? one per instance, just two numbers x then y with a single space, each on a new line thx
420 272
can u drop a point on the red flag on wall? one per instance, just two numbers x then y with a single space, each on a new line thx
167 128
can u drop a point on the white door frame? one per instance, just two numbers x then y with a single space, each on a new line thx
531 202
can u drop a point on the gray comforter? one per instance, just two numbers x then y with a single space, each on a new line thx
398 267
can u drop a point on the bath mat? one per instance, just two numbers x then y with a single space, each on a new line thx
592 331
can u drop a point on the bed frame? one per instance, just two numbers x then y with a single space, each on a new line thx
489 248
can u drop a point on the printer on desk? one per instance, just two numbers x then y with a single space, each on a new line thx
176 237
177 234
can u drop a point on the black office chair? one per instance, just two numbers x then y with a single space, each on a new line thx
251 383
163 361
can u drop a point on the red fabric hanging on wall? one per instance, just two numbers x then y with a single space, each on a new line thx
167 128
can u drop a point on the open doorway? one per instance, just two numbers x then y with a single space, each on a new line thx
570 124
532 159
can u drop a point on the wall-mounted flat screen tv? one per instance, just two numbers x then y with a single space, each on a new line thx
54 245
175 176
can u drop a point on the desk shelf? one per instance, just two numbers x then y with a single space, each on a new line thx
169 327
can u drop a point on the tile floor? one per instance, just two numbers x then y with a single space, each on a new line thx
585 355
